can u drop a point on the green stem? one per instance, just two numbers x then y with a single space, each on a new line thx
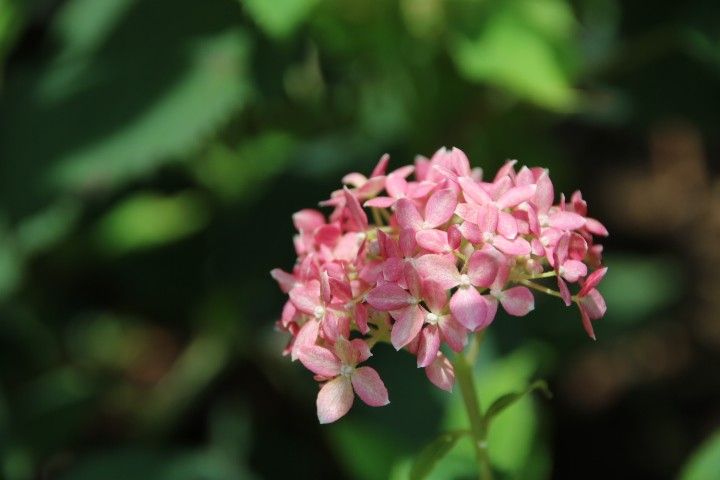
465 379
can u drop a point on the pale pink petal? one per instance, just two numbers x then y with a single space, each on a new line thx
407 215
393 269
325 293
488 218
519 246
435 295
389 296
420 190
306 337
468 307
428 346
473 192
319 360
482 268
396 185
506 171
545 194
380 202
369 387
592 281
334 399
471 232
572 270
345 351
438 268
453 333
335 326
566 220
381 166
306 297
361 318
327 234
286 280
516 195
357 214
435 241
412 280
371 188
407 242
407 325
564 291
361 349
596 228
454 237
507 225
355 179
459 162
308 220
440 208
594 304
441 373
587 323
518 301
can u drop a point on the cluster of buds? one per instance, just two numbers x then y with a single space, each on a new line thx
443 251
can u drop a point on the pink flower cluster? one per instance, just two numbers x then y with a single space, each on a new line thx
444 250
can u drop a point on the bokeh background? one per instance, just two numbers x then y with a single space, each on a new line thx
153 151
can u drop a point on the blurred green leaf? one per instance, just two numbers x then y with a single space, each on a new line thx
279 18
515 50
507 400
11 263
147 220
436 450
704 464
42 230
636 286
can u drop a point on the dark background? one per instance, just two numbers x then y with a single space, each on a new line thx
153 151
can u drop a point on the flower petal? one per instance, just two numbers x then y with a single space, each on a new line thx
407 215
407 325
369 387
429 346
334 399
518 301
389 296
482 268
566 220
435 241
516 195
507 225
453 333
441 373
440 269
592 281
307 336
319 360
440 208
468 308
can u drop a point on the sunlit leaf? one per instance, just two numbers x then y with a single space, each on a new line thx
507 400
147 220
279 18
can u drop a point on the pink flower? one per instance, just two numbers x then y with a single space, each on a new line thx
339 368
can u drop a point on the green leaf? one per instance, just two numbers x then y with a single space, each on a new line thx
704 464
147 220
509 399
434 452
279 18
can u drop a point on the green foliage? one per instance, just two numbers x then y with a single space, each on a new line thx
433 453
507 400
279 18
704 464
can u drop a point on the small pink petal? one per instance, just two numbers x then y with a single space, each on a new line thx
440 208
412 280
319 360
473 192
453 333
596 228
592 281
325 293
361 349
519 246
545 194
441 373
334 399
428 346
471 232
407 325
435 241
286 280
361 318
587 323
369 387
435 295
566 220
407 215
306 297
381 166
308 220
468 308
396 185
454 237
516 195
407 242
507 225
354 179
482 268
380 202
564 291
438 268
518 301
389 296
357 214
572 270
306 337
594 304
344 351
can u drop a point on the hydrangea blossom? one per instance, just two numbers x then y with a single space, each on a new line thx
445 249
